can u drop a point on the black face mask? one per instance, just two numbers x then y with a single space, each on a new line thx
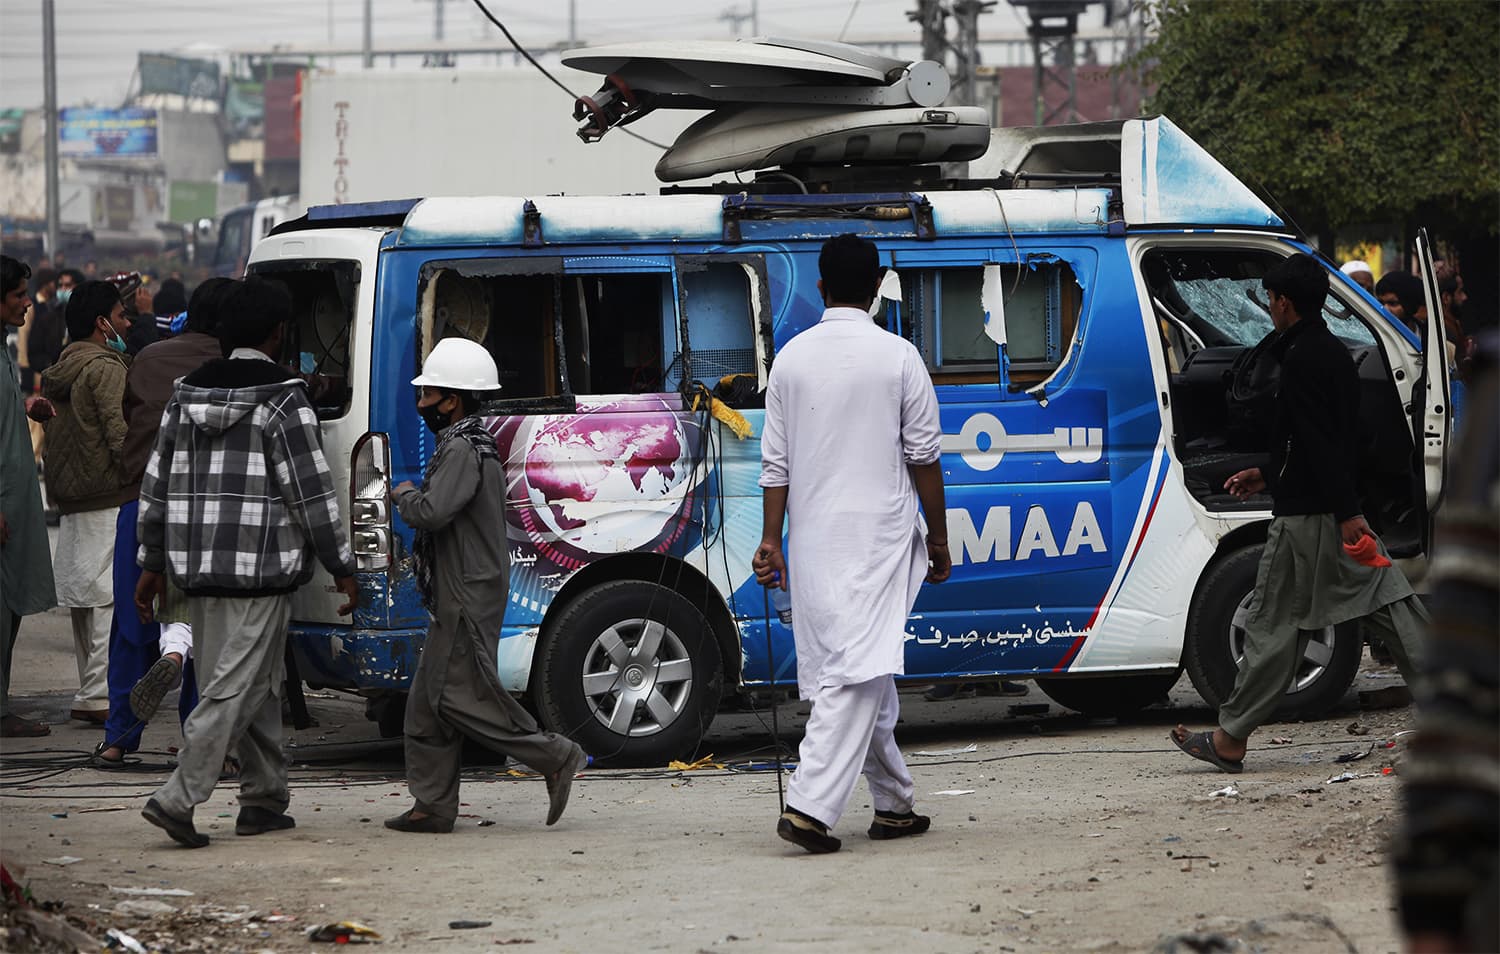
436 420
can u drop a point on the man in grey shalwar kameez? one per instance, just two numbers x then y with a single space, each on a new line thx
26 585
1322 564
463 571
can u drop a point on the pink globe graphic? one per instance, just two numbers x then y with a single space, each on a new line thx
610 479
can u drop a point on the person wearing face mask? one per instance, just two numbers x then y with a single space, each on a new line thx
86 479
463 574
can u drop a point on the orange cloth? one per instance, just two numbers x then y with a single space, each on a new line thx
1367 552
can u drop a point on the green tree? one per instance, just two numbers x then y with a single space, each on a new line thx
1343 112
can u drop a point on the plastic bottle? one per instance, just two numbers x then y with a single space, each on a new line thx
781 602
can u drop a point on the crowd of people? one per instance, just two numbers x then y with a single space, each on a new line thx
193 499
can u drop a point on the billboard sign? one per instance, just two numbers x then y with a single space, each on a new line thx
128 133
162 73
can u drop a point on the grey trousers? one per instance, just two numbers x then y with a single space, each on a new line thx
466 701
1300 584
239 647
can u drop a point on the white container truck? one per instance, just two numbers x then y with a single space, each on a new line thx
369 135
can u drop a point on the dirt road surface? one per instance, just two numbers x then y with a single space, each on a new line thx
1054 833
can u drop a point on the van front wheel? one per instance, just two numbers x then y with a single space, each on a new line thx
631 671
1215 644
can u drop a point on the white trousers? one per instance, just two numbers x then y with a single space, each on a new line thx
91 649
176 638
851 730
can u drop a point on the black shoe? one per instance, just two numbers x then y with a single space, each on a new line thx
560 784
181 830
806 833
898 825
431 825
258 821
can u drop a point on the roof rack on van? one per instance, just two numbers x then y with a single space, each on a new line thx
774 102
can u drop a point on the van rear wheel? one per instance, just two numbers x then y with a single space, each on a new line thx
1215 644
632 672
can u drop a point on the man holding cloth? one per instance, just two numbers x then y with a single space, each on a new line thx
1322 564
851 443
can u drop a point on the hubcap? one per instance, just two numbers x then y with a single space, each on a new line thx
1316 656
637 677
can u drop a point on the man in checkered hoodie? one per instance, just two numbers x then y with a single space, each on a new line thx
236 504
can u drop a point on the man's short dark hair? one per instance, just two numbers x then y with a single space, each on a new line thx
1302 281
88 302
850 269
203 307
251 312
13 272
170 299
1406 287
78 277
43 276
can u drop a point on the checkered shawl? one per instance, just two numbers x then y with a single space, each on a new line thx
237 497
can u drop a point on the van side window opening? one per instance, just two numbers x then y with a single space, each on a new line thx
614 330
323 299
719 314
513 316
943 315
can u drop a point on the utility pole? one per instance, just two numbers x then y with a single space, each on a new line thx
369 44
437 20
49 106
735 16
572 23
932 17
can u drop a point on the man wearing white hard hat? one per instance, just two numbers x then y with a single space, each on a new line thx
463 572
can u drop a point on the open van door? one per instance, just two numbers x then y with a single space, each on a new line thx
1432 411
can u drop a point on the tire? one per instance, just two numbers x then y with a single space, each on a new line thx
1109 695
1214 644
629 705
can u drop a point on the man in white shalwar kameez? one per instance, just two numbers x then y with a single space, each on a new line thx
851 441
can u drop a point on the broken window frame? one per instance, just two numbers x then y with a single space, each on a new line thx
347 275
759 308
921 323
497 267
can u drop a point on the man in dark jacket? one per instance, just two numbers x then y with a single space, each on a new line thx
463 573
85 479
1322 564
236 504
133 645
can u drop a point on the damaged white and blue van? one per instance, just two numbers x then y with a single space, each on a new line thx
1088 303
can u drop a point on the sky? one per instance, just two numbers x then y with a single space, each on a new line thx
98 40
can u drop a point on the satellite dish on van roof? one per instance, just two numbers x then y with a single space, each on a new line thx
709 74
779 102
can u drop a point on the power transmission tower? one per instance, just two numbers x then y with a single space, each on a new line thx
1054 24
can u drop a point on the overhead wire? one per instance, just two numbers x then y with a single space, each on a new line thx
526 54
